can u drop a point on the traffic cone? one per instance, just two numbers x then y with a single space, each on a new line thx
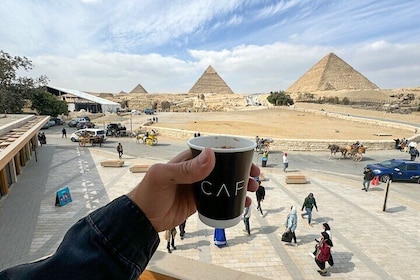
375 181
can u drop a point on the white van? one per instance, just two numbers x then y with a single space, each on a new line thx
92 132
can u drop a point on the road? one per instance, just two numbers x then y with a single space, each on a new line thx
299 162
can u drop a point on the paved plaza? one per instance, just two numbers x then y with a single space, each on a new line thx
368 243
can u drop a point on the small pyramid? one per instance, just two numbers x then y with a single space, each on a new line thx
138 89
210 82
331 73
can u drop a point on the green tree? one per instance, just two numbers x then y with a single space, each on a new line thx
124 104
280 98
165 105
345 101
15 90
47 104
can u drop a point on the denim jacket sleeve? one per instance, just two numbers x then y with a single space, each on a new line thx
113 242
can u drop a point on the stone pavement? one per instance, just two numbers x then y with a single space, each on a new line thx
368 242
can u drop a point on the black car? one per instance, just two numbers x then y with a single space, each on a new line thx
82 118
57 121
397 170
116 129
85 124
73 122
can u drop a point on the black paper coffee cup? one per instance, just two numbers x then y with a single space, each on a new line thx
220 198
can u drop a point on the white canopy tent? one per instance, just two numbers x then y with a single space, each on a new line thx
107 106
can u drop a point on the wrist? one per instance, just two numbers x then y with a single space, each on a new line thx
134 199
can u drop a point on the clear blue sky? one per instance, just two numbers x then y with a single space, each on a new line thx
165 45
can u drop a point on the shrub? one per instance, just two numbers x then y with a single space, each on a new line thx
280 98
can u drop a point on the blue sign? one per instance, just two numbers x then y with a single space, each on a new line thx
63 197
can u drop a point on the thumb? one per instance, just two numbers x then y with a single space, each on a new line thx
188 171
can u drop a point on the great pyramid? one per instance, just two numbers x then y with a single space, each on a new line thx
138 89
210 82
329 74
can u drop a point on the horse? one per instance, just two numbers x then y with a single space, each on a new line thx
263 144
335 148
356 152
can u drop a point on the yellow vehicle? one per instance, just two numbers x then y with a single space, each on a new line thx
147 138
150 140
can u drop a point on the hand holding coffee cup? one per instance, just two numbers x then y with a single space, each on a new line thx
220 197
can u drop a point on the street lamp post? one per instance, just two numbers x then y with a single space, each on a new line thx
388 182
131 124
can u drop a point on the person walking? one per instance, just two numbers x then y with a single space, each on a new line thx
413 153
367 178
308 205
327 229
260 194
291 223
257 142
42 138
246 216
170 238
285 162
182 229
120 150
323 252
63 133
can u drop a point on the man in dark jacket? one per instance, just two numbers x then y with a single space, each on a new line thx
413 153
368 176
260 197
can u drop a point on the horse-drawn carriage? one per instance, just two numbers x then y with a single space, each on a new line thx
354 151
148 138
89 137
92 140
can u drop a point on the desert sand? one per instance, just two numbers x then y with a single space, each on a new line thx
276 122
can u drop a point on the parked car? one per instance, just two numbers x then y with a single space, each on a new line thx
149 111
116 129
397 170
84 118
51 123
91 132
85 124
57 121
73 122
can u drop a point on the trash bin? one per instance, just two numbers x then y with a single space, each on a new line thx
219 237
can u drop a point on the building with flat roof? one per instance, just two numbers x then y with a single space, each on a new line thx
18 143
